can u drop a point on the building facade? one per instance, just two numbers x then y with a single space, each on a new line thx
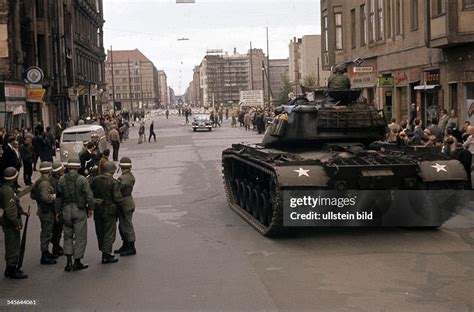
163 94
279 71
51 61
305 64
132 80
402 52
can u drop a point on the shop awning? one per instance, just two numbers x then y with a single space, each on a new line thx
426 87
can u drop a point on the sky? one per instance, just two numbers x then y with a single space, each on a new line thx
154 27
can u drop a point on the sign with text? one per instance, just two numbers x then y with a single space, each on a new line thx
432 77
385 82
253 98
363 69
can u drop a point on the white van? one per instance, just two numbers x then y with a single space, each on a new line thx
72 140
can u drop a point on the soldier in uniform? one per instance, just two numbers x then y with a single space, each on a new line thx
339 80
127 233
108 200
75 203
11 223
45 196
56 174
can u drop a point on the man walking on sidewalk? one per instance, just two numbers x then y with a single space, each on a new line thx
152 132
114 137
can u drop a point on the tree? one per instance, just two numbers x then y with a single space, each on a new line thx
309 81
284 90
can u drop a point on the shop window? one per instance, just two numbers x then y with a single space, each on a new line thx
468 4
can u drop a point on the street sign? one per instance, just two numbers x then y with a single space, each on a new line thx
34 74
385 82
363 69
252 98
359 61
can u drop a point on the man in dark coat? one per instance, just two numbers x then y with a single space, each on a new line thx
10 156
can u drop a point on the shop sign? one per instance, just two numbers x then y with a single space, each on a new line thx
15 92
35 95
363 69
415 75
365 81
400 78
385 82
432 77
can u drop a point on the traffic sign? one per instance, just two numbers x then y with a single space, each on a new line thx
359 61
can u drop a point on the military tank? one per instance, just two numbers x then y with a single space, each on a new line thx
325 145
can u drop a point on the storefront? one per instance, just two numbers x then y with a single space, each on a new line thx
430 96
364 77
12 106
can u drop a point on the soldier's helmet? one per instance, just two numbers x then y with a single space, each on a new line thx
73 163
45 167
110 167
10 174
339 68
125 163
57 166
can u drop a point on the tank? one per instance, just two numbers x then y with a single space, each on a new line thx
327 145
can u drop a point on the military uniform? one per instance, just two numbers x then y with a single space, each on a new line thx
43 193
11 223
58 171
74 200
107 192
127 232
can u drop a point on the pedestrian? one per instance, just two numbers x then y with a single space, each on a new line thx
443 120
56 174
167 112
27 157
114 137
74 203
86 158
233 123
51 141
141 133
152 132
413 113
46 149
11 223
103 159
247 121
44 195
11 157
108 201
36 142
126 230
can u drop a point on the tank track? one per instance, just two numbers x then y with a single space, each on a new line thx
252 192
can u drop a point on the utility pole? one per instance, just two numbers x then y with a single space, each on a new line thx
268 71
317 64
251 66
263 78
113 83
130 86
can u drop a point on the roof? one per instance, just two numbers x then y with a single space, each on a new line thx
123 56
83 128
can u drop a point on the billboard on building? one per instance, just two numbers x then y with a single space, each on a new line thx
251 98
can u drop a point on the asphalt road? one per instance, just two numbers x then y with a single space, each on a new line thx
194 253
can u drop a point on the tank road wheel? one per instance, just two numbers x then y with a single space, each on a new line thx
237 190
263 206
255 204
269 208
248 198
242 195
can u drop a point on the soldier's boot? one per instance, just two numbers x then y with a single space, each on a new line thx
58 251
129 250
78 265
46 259
13 273
106 258
68 267
121 249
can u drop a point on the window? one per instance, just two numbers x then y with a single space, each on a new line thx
338 21
414 14
353 28
372 25
389 18
363 25
380 33
438 7
399 17
468 4
453 96
325 33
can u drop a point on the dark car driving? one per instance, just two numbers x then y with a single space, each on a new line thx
202 122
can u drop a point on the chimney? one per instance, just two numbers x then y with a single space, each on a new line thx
235 51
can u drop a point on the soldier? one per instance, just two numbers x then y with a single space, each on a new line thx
108 201
75 203
127 233
56 174
339 80
11 223
45 196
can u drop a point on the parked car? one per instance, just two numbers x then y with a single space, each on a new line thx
72 140
201 122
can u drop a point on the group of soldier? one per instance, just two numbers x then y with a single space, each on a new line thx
65 200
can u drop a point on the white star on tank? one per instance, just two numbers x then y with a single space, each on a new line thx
302 172
439 167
